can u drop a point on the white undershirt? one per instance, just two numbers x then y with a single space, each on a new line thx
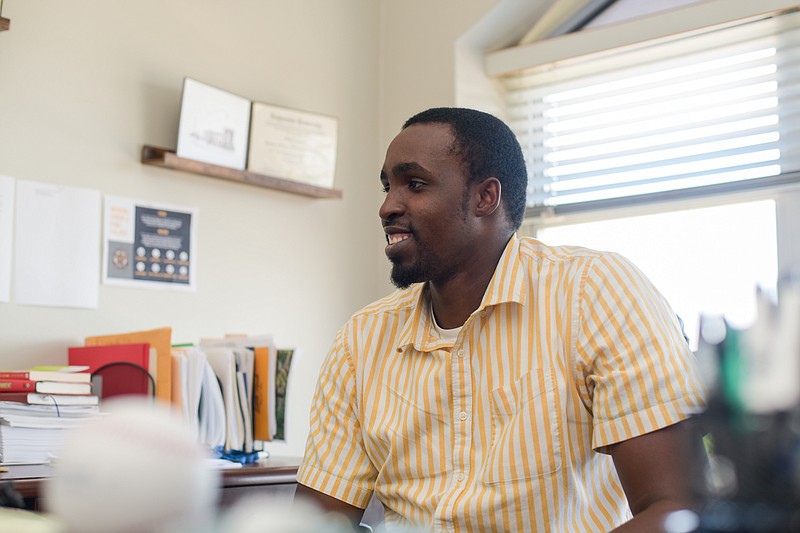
444 334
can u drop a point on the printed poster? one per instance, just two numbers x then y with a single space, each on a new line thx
149 245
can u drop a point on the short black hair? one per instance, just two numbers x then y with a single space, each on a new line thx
488 147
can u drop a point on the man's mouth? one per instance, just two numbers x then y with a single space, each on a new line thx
394 238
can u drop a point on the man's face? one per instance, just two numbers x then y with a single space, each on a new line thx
425 212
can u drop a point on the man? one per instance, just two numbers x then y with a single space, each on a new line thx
507 385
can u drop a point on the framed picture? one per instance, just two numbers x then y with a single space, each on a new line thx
213 126
293 145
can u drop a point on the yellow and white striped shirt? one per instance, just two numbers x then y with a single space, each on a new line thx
571 350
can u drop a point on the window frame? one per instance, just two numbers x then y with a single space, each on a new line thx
598 42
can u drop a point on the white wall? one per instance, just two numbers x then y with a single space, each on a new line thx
84 83
418 70
418 56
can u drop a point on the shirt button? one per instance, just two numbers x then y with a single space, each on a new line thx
461 352
483 313
462 415
459 476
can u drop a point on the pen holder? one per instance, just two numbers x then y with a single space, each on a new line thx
748 477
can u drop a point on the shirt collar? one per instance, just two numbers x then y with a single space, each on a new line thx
509 282
506 286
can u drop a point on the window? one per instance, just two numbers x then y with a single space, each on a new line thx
706 260
708 115
679 126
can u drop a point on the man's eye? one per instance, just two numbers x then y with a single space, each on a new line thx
415 184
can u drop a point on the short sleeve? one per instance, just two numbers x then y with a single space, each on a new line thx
640 372
335 462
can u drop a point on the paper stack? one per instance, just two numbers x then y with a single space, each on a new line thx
232 361
232 390
199 395
36 433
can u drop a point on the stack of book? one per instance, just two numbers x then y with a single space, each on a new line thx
62 387
38 407
32 433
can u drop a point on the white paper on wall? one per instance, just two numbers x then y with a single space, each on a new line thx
6 235
57 245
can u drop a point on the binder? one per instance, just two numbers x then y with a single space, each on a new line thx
123 368
264 423
161 340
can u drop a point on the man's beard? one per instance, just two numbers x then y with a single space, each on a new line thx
423 269
403 276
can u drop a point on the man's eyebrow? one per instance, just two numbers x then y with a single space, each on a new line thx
402 168
410 166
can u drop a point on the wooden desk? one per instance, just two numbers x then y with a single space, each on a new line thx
275 476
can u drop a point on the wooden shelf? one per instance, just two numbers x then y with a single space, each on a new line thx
164 157
4 24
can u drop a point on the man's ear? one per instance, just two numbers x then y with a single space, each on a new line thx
489 192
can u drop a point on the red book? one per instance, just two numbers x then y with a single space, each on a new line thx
17 385
34 398
117 369
44 387
46 375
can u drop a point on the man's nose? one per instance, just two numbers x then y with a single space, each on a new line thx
391 207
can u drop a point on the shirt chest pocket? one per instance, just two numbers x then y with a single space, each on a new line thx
526 429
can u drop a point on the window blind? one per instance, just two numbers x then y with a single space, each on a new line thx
704 114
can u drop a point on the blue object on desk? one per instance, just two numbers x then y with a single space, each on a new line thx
236 456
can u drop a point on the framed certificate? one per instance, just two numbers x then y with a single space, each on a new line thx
213 125
293 145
